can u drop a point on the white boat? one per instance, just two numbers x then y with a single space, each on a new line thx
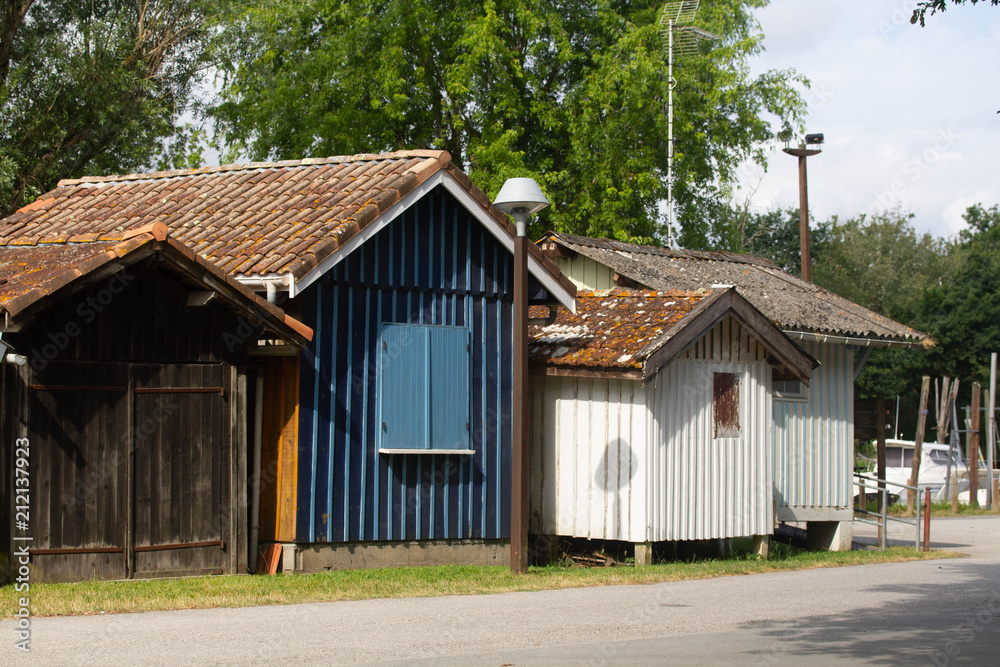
933 468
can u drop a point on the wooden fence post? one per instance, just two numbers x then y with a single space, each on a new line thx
880 456
973 447
918 445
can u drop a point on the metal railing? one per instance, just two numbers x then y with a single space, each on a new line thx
883 518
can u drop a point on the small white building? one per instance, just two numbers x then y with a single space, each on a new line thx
812 425
651 417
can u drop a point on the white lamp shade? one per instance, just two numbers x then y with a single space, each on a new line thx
520 195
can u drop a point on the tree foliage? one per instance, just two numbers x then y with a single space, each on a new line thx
957 304
934 6
880 262
92 88
572 93
773 234
962 311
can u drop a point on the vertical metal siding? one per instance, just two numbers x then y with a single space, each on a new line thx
433 265
612 459
588 443
586 274
705 487
814 438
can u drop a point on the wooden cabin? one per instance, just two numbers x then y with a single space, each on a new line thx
812 430
652 417
124 396
388 439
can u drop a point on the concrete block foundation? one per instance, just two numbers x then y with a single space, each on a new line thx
829 535
643 553
360 555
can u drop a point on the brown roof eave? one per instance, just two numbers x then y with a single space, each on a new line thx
136 246
238 297
710 312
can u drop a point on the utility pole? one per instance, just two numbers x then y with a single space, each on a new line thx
991 430
802 153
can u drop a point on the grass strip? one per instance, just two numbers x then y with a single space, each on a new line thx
99 597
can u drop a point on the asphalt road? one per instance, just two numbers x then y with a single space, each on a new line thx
935 612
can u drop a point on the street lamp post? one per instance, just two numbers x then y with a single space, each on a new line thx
802 153
520 198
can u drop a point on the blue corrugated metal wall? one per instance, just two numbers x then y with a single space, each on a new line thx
433 265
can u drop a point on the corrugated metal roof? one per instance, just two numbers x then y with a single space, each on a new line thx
610 329
795 304
252 219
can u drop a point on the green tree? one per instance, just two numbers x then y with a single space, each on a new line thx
880 262
773 234
92 88
935 6
962 311
572 93
959 307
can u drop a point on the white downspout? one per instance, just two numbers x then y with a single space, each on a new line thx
258 437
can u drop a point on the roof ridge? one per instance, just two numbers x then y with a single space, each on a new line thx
680 253
442 156
645 293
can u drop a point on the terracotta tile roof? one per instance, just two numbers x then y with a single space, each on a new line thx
613 329
795 304
32 271
251 219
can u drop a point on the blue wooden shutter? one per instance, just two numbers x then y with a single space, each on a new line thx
424 387
449 388
403 373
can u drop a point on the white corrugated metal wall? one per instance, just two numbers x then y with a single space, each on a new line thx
704 487
588 446
603 466
814 438
813 454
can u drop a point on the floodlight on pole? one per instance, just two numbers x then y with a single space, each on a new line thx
815 140
673 23
520 198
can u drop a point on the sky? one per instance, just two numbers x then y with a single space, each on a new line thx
909 114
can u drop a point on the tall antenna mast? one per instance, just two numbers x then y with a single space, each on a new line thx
682 39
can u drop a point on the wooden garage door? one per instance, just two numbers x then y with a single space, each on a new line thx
167 509
77 426
182 469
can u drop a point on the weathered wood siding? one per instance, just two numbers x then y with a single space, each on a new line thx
705 487
279 449
138 450
588 449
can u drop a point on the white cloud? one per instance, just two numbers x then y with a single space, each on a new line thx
909 113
